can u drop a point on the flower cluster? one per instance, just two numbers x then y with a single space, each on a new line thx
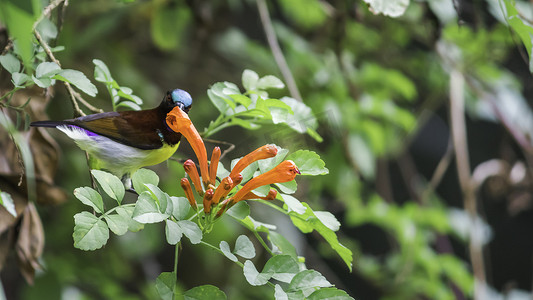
216 196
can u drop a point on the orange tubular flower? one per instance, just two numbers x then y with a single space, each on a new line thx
270 196
186 186
190 168
223 189
213 165
208 196
263 152
179 121
284 172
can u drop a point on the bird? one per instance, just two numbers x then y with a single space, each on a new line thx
123 142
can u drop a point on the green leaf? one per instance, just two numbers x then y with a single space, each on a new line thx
308 279
204 292
308 14
173 232
143 176
308 162
111 184
283 245
180 207
254 225
391 8
279 293
47 29
244 123
242 99
281 267
117 223
165 284
244 247
191 231
147 210
224 247
79 80
239 211
289 187
47 69
101 72
165 203
7 202
218 101
302 117
19 22
19 79
90 197
309 222
90 232
312 133
362 155
253 276
293 204
270 81
43 82
129 104
10 63
249 80
168 25
279 115
127 213
329 293
328 219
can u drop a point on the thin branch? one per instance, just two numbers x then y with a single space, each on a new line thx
48 10
74 96
227 150
458 124
77 110
276 50
441 168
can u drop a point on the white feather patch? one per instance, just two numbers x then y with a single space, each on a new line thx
113 156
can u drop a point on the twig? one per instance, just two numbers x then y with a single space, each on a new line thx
77 110
441 168
227 150
74 96
458 124
87 104
276 50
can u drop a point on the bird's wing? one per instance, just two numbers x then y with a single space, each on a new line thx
138 129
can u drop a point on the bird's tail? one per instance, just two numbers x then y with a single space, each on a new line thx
47 123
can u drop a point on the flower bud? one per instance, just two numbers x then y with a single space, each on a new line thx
186 186
223 189
190 169
208 196
213 165
270 196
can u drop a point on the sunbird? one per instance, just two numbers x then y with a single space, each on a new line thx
123 142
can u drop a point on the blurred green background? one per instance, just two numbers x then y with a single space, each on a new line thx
380 89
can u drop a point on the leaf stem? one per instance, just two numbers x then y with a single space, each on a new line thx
220 252
260 239
274 206
176 256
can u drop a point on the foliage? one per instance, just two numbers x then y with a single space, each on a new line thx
374 77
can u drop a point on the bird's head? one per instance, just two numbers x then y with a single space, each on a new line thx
179 98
